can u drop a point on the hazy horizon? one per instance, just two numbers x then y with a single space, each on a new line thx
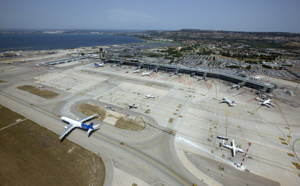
233 15
133 30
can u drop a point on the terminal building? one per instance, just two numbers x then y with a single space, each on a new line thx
199 72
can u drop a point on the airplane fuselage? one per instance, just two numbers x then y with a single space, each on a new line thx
233 148
76 123
225 100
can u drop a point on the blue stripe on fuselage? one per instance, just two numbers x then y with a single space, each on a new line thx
84 126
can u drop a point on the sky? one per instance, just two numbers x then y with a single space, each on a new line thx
231 15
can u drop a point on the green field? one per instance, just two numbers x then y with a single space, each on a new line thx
33 155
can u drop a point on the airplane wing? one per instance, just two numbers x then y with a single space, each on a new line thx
233 152
69 128
87 118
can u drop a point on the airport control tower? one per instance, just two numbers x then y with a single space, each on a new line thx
101 53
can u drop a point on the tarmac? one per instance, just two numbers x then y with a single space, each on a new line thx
179 142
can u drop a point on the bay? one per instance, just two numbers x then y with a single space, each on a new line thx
12 42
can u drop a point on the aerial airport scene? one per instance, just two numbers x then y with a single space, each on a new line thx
149 107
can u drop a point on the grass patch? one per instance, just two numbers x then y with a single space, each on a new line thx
2 81
8 117
112 117
88 109
130 124
33 155
44 93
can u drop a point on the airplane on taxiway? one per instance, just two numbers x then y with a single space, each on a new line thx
98 65
78 124
132 106
150 96
232 147
225 100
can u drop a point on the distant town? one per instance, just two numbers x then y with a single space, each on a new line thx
244 53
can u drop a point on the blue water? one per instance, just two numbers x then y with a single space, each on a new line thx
60 41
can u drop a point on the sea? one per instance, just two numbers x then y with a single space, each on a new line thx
35 41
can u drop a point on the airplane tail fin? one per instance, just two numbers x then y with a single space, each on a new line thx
91 125
92 128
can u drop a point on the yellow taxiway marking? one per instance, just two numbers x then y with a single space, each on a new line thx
285 121
249 154
193 168
142 146
237 94
285 138
240 155
25 103
145 156
255 110
295 142
169 161
112 141
221 134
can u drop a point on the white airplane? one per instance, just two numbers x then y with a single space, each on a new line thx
137 71
268 103
147 73
173 74
78 124
150 96
202 78
233 148
255 78
98 65
239 85
225 100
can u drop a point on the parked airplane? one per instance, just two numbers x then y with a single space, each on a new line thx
132 106
99 65
147 73
268 102
233 148
239 85
202 78
225 100
255 78
150 96
223 138
137 71
78 124
173 74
